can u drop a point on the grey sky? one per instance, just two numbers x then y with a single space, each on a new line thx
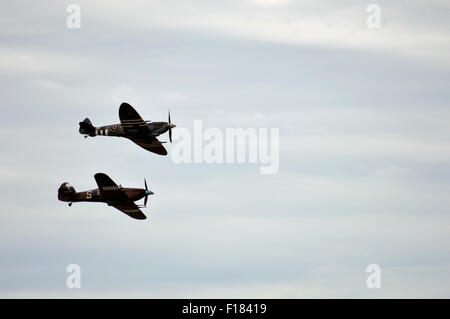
364 148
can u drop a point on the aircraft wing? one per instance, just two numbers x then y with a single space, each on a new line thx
130 209
107 186
111 191
132 122
137 130
150 143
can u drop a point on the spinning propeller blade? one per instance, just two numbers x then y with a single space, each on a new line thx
170 129
146 196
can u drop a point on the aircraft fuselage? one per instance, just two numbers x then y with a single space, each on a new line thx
155 128
94 195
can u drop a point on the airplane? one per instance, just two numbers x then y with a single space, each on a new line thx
108 192
133 127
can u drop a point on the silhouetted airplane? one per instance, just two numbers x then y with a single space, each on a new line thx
108 192
133 127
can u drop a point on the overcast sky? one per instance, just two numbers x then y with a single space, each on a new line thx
364 172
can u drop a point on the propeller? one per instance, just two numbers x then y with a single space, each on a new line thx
170 129
147 192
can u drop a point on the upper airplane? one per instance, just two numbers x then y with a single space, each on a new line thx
133 127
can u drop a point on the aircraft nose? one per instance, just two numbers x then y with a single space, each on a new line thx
171 125
148 192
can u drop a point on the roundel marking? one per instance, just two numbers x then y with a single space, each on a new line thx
114 128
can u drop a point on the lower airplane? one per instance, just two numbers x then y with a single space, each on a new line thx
133 127
108 192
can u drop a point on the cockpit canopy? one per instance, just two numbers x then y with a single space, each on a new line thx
66 188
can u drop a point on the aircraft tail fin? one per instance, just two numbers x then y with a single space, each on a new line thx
87 128
66 192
